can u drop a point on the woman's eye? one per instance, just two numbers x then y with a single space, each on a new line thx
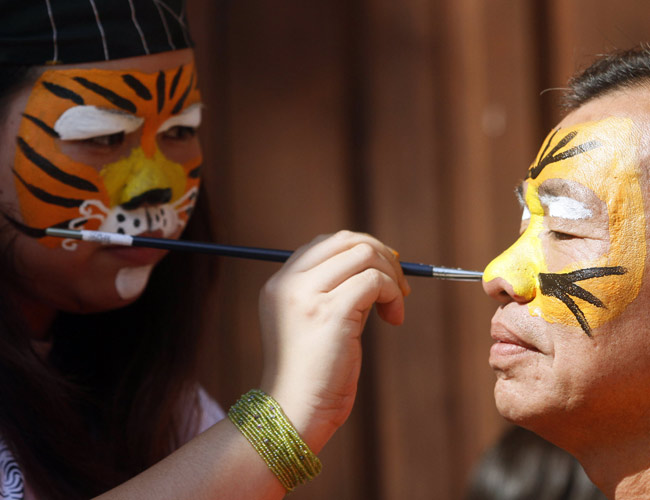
179 132
106 140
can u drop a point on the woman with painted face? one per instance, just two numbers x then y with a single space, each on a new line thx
100 106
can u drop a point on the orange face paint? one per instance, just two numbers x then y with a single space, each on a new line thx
604 158
142 189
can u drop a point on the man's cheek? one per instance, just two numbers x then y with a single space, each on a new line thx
585 298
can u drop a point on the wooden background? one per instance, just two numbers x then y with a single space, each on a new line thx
409 119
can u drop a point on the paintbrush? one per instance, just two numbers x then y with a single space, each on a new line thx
410 268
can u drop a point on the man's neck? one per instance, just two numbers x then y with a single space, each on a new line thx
621 471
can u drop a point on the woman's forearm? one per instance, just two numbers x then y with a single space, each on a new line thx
219 463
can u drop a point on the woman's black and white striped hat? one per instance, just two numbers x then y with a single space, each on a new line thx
34 32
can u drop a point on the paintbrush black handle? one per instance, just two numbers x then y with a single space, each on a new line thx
413 269
268 254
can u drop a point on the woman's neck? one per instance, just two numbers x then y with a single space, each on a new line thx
37 316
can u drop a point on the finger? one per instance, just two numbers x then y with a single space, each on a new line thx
356 295
301 251
332 272
403 282
324 248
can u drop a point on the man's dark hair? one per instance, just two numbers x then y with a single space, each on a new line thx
623 69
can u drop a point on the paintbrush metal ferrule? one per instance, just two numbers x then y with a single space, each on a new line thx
269 254
456 274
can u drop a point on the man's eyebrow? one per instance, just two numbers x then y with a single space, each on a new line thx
519 193
567 200
556 189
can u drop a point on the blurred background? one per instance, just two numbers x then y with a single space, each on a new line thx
409 119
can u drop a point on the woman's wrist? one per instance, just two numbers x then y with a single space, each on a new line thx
315 423
261 419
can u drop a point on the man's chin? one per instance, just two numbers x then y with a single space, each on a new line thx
520 405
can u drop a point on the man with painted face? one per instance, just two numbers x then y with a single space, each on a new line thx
100 106
571 351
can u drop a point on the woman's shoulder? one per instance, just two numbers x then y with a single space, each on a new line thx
12 485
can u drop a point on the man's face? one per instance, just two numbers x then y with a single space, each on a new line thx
571 331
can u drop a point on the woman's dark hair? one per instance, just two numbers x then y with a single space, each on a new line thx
622 69
522 466
118 390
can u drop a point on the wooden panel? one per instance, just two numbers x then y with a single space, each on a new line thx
285 181
406 364
581 29
490 139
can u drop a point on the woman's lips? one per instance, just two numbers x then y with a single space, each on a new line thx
139 256
136 255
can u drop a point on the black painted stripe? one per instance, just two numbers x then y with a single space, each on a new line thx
156 196
107 94
160 87
138 87
562 286
63 93
44 126
175 81
195 173
46 197
551 157
53 171
32 232
35 232
181 101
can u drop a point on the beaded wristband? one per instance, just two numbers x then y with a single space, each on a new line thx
261 420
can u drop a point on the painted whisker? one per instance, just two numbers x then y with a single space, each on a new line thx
562 286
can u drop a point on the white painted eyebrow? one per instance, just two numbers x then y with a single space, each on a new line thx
85 122
565 207
189 117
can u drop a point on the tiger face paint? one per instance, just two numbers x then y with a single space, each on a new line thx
101 149
582 190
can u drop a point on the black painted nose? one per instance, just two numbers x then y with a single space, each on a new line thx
151 197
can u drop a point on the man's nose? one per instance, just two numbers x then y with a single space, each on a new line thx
500 290
513 274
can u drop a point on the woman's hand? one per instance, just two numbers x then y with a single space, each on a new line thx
313 311
312 314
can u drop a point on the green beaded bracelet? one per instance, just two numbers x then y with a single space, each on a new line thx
261 420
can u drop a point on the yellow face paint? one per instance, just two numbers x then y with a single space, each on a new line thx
603 157
128 178
141 189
